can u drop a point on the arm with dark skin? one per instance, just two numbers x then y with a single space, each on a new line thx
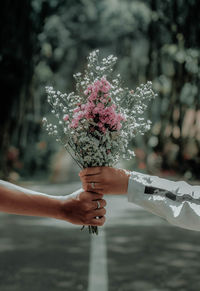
107 180
80 209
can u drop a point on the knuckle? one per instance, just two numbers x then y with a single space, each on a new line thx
99 196
104 211
102 221
87 188
104 202
96 221
85 171
86 179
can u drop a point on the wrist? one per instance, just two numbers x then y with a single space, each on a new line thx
126 180
55 208
63 208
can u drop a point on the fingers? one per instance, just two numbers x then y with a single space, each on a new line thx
89 201
91 178
96 196
91 209
90 196
90 171
92 187
95 205
95 217
98 222
100 204
98 212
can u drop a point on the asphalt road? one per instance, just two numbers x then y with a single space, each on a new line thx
134 251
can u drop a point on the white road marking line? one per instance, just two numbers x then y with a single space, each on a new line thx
98 274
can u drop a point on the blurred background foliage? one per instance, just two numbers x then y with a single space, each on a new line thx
46 42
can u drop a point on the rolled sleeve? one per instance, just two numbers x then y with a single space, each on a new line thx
177 202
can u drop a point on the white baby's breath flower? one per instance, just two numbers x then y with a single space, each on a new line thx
80 133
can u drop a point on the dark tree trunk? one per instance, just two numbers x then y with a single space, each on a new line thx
16 69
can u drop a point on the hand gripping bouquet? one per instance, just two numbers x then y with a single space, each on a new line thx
96 123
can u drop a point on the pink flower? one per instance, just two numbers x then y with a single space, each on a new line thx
88 110
88 90
66 117
103 119
98 86
93 96
100 125
96 110
100 106
103 129
77 109
74 124
105 89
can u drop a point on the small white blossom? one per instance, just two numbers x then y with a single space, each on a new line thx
86 143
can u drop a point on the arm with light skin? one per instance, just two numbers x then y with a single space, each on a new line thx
177 202
78 208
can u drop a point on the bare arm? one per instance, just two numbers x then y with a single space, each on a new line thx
77 208
18 202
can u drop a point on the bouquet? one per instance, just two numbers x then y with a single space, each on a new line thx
97 123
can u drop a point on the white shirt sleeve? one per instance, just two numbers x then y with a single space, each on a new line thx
177 202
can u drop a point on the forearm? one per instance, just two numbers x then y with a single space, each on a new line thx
177 202
17 200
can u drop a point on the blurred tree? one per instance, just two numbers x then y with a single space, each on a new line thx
16 69
174 56
20 24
